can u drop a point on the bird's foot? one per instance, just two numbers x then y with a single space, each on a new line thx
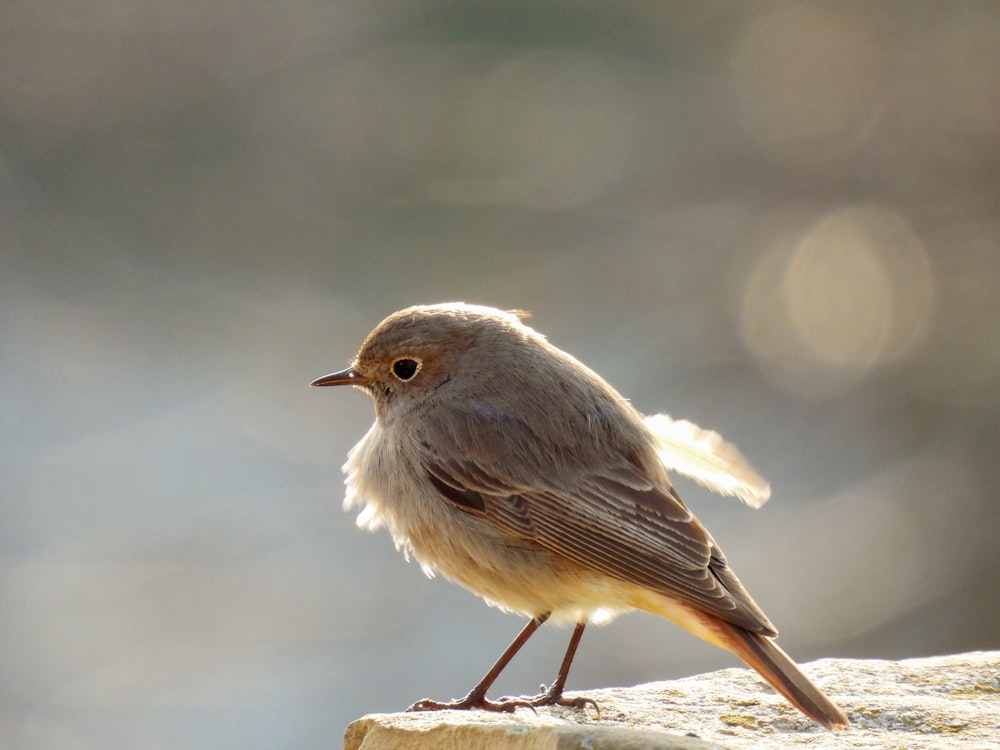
553 696
474 700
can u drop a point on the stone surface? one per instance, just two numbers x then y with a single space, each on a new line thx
947 701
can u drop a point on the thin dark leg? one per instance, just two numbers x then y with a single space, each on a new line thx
476 697
553 695
555 690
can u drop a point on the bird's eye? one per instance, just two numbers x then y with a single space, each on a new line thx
405 368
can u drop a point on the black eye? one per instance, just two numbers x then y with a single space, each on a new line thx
405 368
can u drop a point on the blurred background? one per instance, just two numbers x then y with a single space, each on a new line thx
778 220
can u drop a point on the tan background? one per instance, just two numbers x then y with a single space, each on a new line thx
779 220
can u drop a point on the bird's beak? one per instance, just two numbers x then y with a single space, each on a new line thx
345 377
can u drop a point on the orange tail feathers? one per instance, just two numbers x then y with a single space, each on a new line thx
759 651
775 666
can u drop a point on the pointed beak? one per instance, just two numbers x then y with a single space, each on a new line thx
344 377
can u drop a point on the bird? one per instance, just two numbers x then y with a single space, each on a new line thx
511 468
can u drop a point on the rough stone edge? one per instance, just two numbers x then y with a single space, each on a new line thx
918 702
374 731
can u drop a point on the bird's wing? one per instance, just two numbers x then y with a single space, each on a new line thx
601 510
702 455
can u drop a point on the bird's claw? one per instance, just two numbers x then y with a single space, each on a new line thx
554 697
472 702
506 704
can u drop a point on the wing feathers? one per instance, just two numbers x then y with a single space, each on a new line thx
702 455
600 509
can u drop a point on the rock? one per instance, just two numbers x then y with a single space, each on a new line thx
917 703
481 732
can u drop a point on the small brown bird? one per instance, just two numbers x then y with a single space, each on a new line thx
516 471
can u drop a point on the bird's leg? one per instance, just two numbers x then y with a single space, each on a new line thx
476 697
553 695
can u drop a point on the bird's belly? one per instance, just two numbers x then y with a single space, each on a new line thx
516 574
508 571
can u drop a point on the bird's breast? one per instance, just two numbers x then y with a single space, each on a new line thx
387 481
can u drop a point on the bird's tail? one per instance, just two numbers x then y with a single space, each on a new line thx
775 666
759 651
